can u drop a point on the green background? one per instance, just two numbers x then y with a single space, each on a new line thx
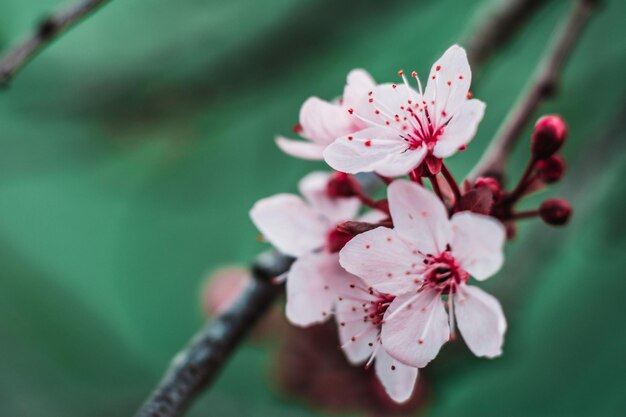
132 149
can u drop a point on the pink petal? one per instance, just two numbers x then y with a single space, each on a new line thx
363 151
336 210
415 328
355 94
300 149
323 122
400 164
397 379
478 243
382 259
461 128
310 298
451 82
419 216
289 224
481 321
358 337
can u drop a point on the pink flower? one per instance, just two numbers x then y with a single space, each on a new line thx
301 228
427 256
321 122
409 126
359 312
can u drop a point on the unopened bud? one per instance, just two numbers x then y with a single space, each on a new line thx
552 169
555 211
548 137
491 184
341 184
337 239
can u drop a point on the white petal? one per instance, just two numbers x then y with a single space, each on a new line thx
419 216
289 224
355 94
400 164
300 149
358 337
310 298
364 150
323 122
383 260
452 68
336 210
397 378
478 243
481 321
416 331
461 129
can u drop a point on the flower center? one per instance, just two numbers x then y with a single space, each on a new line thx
377 309
443 273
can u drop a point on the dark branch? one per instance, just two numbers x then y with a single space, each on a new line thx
48 30
496 25
199 363
543 85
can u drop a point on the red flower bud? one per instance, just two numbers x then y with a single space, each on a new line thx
337 239
555 211
491 184
548 137
552 169
341 184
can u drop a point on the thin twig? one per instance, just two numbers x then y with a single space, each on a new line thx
195 367
48 30
543 85
198 364
497 25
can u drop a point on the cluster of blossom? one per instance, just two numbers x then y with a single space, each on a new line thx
395 272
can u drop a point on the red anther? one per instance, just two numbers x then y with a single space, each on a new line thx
462 147
350 110
490 183
394 86
341 184
511 230
414 74
336 240
371 100
400 73
555 211
552 169
469 95
548 137
297 128
438 67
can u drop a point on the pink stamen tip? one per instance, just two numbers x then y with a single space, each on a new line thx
394 86
368 143
438 67
350 110
400 73
460 77
449 82
371 100
414 74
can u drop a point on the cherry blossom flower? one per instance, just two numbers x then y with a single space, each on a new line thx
425 262
409 126
321 122
301 228
359 312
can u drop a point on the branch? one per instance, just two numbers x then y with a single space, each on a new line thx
197 365
496 27
48 30
543 85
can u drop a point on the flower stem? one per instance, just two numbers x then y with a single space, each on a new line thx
452 182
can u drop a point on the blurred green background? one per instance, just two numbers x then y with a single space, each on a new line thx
132 149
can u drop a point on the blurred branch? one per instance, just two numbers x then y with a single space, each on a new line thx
198 364
48 30
496 25
543 85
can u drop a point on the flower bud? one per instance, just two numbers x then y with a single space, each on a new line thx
491 184
337 239
555 211
341 184
548 137
552 169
